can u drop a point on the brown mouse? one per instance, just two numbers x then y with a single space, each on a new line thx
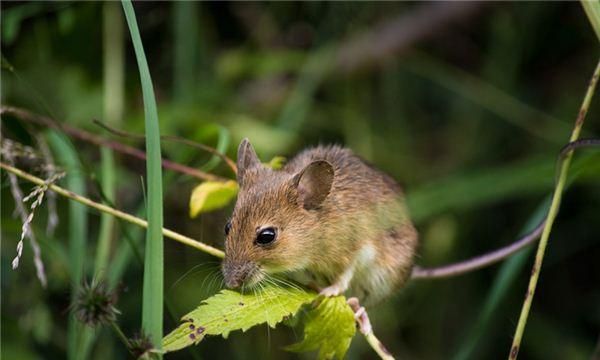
327 217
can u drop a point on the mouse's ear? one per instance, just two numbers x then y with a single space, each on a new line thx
246 159
314 183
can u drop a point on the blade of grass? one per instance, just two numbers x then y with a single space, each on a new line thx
222 145
592 10
489 97
67 157
301 99
152 307
524 178
504 279
113 112
556 198
185 43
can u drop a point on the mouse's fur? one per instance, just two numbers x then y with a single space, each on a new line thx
338 220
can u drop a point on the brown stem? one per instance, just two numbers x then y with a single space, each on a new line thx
178 139
97 140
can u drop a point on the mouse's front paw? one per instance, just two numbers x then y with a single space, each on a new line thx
333 290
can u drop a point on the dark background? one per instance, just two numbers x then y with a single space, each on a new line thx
466 104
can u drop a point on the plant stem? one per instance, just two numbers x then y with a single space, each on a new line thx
120 335
592 10
556 197
173 138
117 213
378 346
25 115
113 111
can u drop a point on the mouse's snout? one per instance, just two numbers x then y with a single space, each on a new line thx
237 273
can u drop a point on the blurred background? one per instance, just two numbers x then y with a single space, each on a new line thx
465 104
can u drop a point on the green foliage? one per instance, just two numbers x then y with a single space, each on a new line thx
276 162
592 9
152 309
78 227
229 311
470 131
329 328
212 195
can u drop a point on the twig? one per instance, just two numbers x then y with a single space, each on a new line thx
365 328
97 140
178 139
556 197
117 213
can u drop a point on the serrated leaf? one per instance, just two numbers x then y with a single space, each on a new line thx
212 195
276 162
229 310
329 328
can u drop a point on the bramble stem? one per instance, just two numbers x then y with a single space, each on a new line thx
83 135
117 213
556 197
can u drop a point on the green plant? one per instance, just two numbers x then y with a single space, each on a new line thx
152 306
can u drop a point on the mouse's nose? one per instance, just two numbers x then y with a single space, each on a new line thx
235 273
232 283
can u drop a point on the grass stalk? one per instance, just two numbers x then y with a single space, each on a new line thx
185 49
152 307
113 112
554 206
67 156
592 10
504 279
114 212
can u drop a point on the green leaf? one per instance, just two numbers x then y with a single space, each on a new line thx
329 327
212 195
276 162
222 145
229 310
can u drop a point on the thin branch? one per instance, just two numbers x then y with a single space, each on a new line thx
539 256
117 213
97 140
173 138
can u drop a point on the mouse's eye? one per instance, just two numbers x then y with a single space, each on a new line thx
266 236
227 228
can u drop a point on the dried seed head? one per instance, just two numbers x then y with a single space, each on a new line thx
94 304
141 346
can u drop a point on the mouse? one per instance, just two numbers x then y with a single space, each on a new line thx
327 219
